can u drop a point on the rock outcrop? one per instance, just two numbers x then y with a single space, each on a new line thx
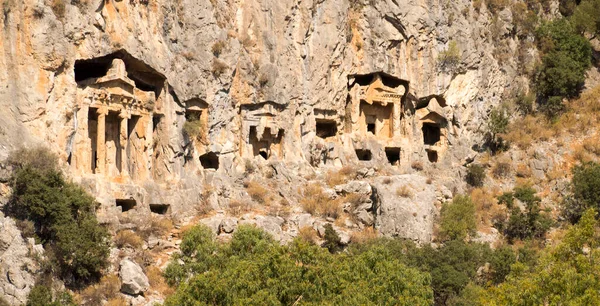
17 267
133 279
406 207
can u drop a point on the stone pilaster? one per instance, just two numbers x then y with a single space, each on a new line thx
123 137
101 141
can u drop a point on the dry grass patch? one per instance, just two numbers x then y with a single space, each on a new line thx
405 192
106 289
117 301
259 193
523 171
218 67
218 47
366 235
128 238
501 169
315 202
524 131
487 207
239 207
157 281
341 176
417 165
308 234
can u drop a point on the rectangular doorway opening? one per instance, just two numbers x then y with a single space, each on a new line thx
160 209
393 155
363 154
326 128
209 160
126 204
431 134
432 156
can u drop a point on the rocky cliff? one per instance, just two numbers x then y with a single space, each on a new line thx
183 108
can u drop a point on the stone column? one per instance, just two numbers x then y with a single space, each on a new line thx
124 115
101 141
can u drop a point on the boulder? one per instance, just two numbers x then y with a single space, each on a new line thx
228 225
133 279
17 268
409 217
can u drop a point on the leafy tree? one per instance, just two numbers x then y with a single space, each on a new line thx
452 266
63 215
497 125
253 269
41 295
332 239
586 17
457 219
565 275
475 175
566 57
531 222
585 186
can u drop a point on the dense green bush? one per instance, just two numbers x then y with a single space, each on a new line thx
566 274
531 222
332 239
586 17
475 175
63 216
566 57
585 186
457 219
449 59
41 295
253 269
497 124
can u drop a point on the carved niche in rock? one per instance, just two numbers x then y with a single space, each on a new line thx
375 104
326 123
196 118
434 127
262 130
117 107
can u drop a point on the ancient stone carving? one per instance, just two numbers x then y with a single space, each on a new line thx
114 117
434 127
376 104
262 130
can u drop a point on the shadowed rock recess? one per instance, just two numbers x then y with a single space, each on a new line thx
228 112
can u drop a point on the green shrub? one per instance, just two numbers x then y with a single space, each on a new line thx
524 224
497 125
566 58
449 59
475 175
586 17
63 216
566 274
332 239
585 186
253 269
41 295
457 219
524 103
194 128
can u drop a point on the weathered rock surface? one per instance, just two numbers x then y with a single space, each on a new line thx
17 269
406 207
133 279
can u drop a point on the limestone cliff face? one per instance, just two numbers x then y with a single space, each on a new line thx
277 80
